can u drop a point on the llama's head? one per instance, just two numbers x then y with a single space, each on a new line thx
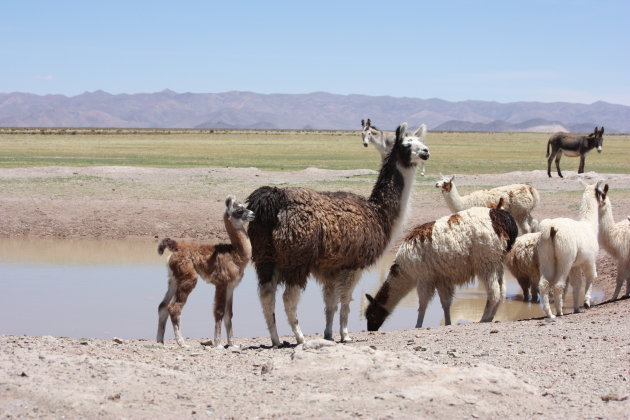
375 314
593 198
366 132
237 213
596 139
409 147
600 194
445 184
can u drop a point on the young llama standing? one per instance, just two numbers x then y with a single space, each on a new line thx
567 246
519 199
383 141
445 254
222 265
333 235
615 239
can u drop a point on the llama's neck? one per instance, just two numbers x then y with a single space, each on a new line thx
238 238
454 201
588 210
606 227
390 196
394 289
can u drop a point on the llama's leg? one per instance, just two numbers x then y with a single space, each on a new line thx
267 285
445 292
575 279
220 300
543 288
494 290
227 320
291 298
558 156
590 274
582 159
623 272
534 289
350 280
425 294
523 281
185 286
163 307
331 299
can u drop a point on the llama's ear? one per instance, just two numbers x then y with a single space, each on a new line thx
371 299
401 130
584 184
605 192
452 178
421 131
500 204
229 201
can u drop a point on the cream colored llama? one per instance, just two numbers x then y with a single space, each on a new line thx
445 254
222 265
615 239
519 199
522 261
567 246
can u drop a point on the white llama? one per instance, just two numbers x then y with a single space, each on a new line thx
615 239
567 246
519 200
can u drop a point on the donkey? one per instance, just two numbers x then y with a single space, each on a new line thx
573 145
383 141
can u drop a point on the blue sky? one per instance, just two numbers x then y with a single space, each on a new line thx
534 50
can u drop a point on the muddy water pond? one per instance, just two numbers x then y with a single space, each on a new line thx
110 288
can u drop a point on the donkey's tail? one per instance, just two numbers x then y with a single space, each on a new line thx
548 143
167 243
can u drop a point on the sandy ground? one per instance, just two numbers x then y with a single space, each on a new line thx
576 367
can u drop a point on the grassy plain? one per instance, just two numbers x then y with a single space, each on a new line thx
451 152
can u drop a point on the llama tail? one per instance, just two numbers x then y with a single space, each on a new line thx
547 255
167 243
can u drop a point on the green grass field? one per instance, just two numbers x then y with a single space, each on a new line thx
450 152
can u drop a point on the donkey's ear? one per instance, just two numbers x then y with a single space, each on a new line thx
371 299
229 201
362 123
421 131
596 130
601 131
369 123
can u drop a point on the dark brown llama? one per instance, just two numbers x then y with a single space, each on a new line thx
573 145
333 235
222 265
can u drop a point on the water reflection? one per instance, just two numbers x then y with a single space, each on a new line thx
107 288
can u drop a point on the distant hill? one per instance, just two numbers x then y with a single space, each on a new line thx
319 110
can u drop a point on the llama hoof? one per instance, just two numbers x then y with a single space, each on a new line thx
587 305
346 339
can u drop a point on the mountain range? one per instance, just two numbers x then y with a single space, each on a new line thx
318 110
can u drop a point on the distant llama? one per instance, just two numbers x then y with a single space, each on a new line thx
222 265
383 141
567 247
445 254
333 235
519 199
573 145
615 239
